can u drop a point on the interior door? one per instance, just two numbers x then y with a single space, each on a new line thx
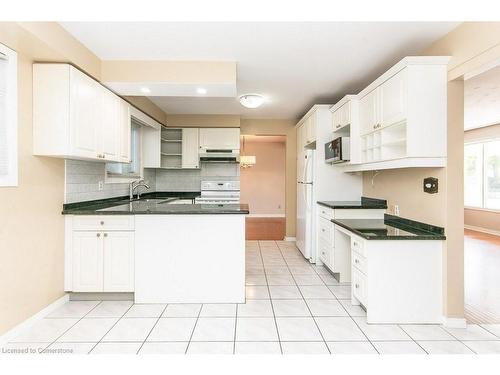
87 262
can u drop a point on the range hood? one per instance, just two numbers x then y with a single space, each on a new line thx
219 156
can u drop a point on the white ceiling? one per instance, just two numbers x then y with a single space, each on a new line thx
294 65
482 99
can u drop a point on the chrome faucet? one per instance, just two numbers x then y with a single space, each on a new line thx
135 185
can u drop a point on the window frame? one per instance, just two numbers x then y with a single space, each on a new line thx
484 185
116 178
11 179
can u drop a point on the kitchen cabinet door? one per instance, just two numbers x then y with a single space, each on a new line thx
346 114
393 97
220 138
301 137
124 126
368 112
118 262
310 129
85 116
109 129
190 145
87 262
336 120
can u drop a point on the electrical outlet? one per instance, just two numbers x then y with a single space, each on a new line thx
100 186
396 210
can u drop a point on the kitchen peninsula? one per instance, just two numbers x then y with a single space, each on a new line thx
163 249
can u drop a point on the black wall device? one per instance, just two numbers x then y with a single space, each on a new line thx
430 185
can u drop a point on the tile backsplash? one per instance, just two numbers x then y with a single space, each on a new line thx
82 179
82 182
190 179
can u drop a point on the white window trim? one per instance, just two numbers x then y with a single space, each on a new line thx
11 179
483 174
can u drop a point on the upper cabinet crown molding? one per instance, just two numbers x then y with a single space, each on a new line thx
75 117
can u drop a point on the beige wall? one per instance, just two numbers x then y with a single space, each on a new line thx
478 218
263 185
286 128
216 121
31 224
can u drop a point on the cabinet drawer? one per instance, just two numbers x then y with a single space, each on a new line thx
358 261
325 251
358 245
325 228
103 222
359 286
325 212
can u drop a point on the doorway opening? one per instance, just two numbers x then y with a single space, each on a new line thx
262 185
482 197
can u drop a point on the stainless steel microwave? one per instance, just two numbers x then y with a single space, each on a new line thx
338 150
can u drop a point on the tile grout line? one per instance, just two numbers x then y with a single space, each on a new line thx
194 327
62 334
152 328
270 298
305 302
352 318
120 318
411 338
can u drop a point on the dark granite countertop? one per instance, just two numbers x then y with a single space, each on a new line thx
391 228
364 203
159 203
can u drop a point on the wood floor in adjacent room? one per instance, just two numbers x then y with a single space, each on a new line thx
265 228
482 277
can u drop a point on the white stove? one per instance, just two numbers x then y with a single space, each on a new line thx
219 192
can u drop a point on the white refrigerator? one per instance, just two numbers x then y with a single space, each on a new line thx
305 203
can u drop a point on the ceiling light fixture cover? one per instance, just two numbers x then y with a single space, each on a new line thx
145 90
251 100
201 90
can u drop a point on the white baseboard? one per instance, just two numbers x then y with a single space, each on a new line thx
454 322
290 239
483 230
9 335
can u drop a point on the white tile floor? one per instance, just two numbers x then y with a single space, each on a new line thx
292 307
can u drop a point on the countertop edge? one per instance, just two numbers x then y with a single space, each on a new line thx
429 237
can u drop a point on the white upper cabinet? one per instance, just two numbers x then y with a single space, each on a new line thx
310 125
190 145
342 116
369 112
392 100
75 117
301 137
219 139
403 117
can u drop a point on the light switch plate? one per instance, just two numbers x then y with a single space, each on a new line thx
100 186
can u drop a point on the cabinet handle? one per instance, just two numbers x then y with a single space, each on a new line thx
105 235
357 286
356 261
98 234
322 230
102 222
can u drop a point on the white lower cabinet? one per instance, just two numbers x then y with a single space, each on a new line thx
97 259
87 262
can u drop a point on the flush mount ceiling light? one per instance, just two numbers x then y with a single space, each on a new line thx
251 100
201 90
145 90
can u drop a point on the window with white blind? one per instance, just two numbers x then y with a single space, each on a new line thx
8 116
